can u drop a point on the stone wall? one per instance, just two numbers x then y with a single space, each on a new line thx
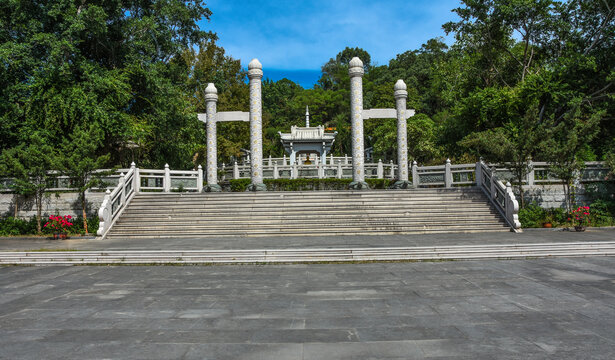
61 204
552 196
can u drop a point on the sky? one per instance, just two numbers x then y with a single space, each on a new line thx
293 39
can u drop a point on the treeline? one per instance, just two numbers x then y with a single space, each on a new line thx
120 81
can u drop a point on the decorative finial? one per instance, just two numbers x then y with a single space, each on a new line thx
307 116
355 67
400 85
255 69
255 64
211 93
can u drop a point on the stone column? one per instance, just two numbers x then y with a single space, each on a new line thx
355 70
211 101
255 74
401 94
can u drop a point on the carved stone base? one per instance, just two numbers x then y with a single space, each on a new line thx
212 188
401 184
257 187
358 185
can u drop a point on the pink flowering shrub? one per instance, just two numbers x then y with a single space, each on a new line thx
581 216
59 224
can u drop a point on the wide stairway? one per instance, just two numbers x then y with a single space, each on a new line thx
376 212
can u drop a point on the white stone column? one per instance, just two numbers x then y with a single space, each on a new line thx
211 101
255 74
401 94
355 70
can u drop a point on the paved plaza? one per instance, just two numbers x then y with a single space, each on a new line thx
525 309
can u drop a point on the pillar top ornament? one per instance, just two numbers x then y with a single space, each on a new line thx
400 89
355 67
211 93
255 69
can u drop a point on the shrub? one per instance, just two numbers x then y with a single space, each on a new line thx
603 213
532 216
239 185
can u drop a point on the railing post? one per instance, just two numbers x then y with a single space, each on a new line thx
275 170
530 173
345 159
380 170
136 181
340 171
235 170
199 179
512 207
320 170
104 214
166 182
448 175
493 192
295 173
121 185
223 171
478 173
269 162
284 160
415 175
392 170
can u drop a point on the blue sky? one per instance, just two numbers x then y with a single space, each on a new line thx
294 38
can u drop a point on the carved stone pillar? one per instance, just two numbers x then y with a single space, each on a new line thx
211 101
401 95
255 74
355 70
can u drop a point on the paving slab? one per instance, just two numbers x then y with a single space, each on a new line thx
531 309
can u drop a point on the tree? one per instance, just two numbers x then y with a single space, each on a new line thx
80 162
32 167
113 63
335 71
568 137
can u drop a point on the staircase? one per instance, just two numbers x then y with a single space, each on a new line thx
376 212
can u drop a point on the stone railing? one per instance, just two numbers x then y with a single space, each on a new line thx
168 180
447 175
115 201
500 194
339 170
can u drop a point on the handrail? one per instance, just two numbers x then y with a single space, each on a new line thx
500 195
116 201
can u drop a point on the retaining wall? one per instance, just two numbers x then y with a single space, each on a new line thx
66 203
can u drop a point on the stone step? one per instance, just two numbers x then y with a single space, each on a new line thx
290 205
458 252
275 228
223 200
307 213
312 217
248 223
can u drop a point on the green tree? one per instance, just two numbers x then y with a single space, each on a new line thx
81 160
569 137
32 167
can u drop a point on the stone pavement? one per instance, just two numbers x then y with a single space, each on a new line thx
531 309
530 236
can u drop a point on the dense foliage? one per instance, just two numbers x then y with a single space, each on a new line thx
523 78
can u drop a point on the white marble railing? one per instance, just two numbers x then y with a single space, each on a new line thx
447 175
500 194
115 201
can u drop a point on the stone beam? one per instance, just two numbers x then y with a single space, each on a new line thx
228 116
385 114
